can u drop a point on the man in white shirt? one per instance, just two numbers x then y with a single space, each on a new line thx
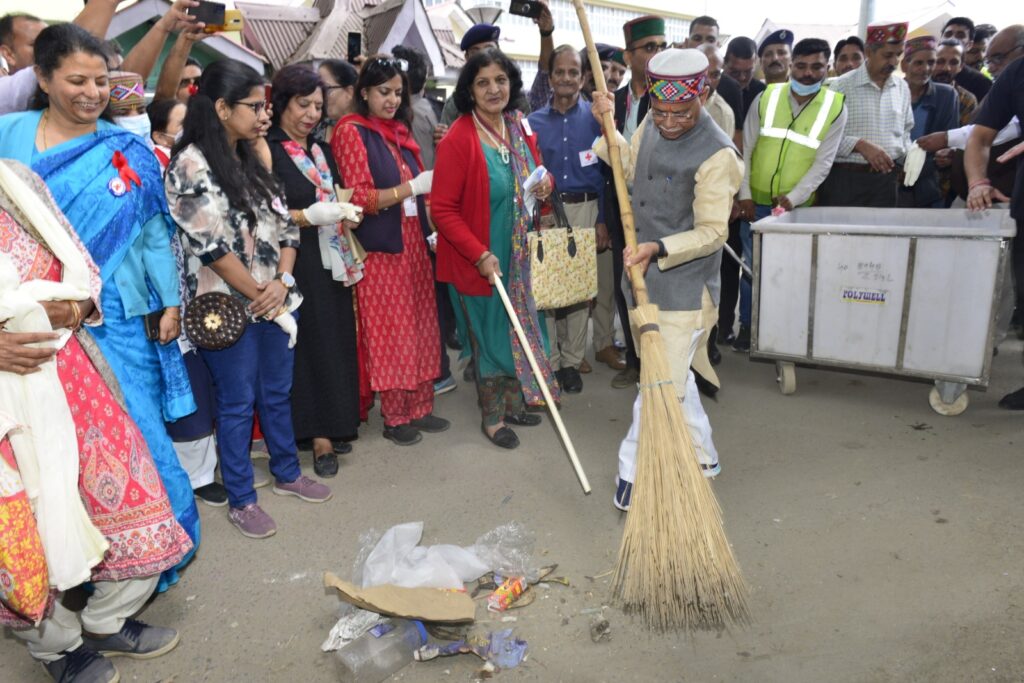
868 165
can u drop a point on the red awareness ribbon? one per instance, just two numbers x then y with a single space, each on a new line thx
126 172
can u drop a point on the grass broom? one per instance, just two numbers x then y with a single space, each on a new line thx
676 568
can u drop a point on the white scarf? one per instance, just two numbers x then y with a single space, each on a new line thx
46 447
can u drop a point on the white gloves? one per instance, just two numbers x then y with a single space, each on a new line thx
421 183
329 213
913 164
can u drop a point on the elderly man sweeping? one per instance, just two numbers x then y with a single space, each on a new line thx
684 173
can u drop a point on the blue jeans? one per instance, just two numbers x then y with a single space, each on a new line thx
254 374
747 237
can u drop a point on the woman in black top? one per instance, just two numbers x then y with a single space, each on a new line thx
325 394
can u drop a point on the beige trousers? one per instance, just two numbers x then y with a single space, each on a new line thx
104 614
567 327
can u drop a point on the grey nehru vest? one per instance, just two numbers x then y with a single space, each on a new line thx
663 192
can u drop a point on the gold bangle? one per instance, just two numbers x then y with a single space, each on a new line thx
394 190
76 315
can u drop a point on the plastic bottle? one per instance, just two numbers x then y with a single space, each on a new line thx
383 650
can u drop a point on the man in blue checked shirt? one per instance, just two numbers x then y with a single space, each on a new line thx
566 131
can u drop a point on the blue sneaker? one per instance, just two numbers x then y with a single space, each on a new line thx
82 665
623 492
135 640
444 386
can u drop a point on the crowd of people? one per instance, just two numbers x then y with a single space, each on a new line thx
304 210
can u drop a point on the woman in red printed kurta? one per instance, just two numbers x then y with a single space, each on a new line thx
398 335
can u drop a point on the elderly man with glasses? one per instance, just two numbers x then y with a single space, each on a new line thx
678 151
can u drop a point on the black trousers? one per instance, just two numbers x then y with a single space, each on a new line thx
730 280
849 187
618 238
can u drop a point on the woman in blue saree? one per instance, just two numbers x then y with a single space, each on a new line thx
108 183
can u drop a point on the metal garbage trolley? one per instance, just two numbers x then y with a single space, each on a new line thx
903 292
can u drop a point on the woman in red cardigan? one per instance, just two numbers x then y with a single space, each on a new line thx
478 205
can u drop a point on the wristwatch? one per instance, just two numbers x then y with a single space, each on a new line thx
662 251
287 279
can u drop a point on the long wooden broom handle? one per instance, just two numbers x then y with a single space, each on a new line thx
636 273
580 474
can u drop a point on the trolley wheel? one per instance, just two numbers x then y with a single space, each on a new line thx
953 409
786 377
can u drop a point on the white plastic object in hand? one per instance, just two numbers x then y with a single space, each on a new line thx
324 213
913 164
421 183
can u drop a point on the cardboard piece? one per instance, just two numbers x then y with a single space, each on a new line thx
425 604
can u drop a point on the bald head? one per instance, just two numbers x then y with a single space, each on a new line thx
715 63
1005 46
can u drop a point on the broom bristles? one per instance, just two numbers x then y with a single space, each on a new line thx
676 568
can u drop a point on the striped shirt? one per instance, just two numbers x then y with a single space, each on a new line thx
882 116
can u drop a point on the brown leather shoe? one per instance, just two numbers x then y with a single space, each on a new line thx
611 357
585 368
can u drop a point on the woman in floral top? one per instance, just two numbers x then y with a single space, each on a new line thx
239 240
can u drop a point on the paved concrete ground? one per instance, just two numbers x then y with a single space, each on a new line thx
881 541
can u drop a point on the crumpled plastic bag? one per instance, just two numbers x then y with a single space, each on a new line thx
396 558
349 627
912 165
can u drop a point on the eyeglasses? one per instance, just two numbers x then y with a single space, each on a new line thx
1000 57
666 115
256 107
650 48
400 64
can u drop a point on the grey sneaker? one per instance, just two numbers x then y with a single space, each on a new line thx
82 665
305 488
135 640
252 521
626 378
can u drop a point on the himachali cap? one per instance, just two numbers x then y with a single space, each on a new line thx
480 33
677 75
880 34
126 91
610 53
643 27
919 43
781 36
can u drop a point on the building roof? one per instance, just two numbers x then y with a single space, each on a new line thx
287 35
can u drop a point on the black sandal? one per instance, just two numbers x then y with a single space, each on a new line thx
326 465
503 438
523 419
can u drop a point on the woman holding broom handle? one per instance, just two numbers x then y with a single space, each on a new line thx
678 151
479 208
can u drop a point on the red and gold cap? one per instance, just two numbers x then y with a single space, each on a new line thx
880 34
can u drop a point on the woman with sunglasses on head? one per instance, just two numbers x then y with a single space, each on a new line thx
107 183
239 240
325 395
399 338
479 206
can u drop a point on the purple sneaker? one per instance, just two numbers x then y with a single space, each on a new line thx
252 521
305 488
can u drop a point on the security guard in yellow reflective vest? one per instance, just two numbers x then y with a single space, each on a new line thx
790 137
